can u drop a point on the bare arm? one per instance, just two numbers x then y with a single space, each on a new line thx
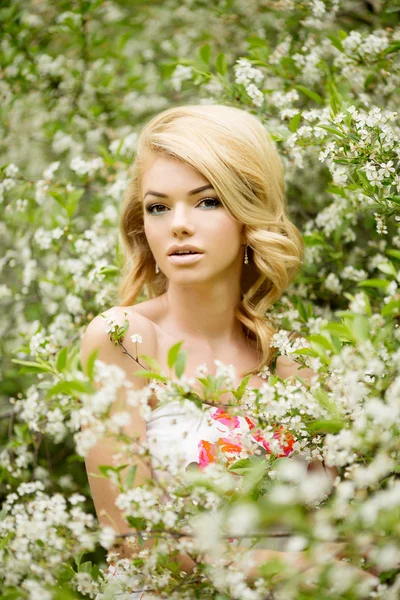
104 492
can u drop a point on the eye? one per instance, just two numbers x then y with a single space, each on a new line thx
215 200
151 209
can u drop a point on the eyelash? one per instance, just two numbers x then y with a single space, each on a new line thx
150 211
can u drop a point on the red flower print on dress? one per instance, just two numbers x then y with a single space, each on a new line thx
283 435
208 451
223 417
231 446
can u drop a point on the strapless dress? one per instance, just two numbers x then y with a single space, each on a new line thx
179 434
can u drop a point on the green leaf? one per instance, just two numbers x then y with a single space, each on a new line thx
75 458
240 466
238 393
72 200
336 42
195 398
312 95
62 594
305 310
366 186
374 283
69 388
90 363
137 522
371 79
151 361
254 475
105 469
85 567
130 478
106 155
204 381
78 558
351 298
205 54
62 359
395 199
32 365
181 363
109 270
60 198
150 375
294 122
394 253
337 329
321 340
302 311
387 268
12 595
359 326
392 48
220 64
314 240
306 352
326 426
254 41
326 402
333 130
335 99
392 308
173 354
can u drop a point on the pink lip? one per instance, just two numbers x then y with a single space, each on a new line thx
184 259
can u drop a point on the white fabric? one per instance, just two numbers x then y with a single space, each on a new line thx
175 430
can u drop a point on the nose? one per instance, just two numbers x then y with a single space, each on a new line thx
180 221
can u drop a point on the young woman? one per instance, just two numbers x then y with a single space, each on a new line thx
209 242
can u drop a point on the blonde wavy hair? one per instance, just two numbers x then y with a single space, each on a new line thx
234 151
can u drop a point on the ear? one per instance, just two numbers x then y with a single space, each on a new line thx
243 239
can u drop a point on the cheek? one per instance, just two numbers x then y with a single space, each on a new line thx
224 231
153 233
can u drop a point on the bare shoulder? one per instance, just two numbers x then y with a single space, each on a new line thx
152 309
97 337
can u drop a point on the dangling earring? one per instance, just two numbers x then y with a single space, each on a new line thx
157 268
246 258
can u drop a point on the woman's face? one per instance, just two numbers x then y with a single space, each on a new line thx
176 213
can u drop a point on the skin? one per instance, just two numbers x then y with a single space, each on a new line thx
209 288
198 306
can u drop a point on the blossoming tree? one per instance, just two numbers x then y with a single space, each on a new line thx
78 81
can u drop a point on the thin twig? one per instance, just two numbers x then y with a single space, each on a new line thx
179 534
7 415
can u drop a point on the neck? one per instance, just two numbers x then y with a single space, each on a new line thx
205 314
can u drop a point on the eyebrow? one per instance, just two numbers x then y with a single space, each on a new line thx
191 193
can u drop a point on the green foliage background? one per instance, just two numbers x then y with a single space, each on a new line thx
79 79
